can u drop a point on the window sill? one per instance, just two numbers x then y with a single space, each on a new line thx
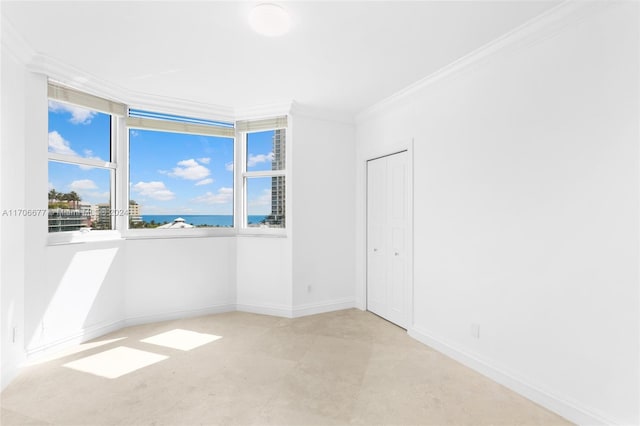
78 237
81 237
143 234
263 232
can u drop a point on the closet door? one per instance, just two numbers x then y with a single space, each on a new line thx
387 283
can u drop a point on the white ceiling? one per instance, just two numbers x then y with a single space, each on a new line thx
341 56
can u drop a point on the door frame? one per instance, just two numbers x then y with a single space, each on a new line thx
404 146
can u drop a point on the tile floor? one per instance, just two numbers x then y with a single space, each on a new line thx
341 368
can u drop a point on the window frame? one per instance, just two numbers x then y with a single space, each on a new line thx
160 125
255 126
65 94
118 166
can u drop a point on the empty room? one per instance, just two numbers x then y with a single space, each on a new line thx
320 212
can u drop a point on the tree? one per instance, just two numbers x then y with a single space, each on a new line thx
54 195
73 198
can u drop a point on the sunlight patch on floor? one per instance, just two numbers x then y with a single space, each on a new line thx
183 340
73 350
115 362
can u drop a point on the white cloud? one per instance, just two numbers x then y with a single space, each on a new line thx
223 196
190 169
82 184
100 195
155 190
133 133
60 145
229 166
206 181
79 115
51 186
89 154
204 160
260 158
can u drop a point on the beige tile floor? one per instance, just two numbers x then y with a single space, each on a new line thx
345 367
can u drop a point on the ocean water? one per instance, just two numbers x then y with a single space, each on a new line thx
198 219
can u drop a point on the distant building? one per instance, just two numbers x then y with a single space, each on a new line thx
277 216
134 213
94 213
103 219
66 219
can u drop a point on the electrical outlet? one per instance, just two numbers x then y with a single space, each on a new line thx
475 331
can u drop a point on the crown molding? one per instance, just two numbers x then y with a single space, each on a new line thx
181 107
81 80
63 73
546 25
263 111
76 78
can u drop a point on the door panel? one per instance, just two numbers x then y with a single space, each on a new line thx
387 285
376 243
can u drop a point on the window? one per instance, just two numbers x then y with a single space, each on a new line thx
180 172
264 173
81 169
175 172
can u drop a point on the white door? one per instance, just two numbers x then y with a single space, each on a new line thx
387 217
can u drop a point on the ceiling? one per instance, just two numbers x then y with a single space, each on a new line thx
339 56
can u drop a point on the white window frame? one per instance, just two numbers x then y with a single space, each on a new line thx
159 125
244 128
60 93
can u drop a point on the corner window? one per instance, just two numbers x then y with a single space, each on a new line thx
81 172
180 172
263 177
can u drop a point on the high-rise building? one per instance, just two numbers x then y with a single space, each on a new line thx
277 217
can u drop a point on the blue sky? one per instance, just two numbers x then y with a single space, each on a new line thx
79 132
170 173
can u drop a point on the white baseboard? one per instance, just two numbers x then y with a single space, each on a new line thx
322 307
173 315
77 338
275 310
297 311
561 406
101 329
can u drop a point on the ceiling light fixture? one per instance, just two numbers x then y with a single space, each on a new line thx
269 20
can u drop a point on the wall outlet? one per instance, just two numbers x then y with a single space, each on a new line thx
475 331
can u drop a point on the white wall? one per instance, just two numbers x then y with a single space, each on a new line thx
311 269
324 214
12 228
80 296
264 275
526 199
179 277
